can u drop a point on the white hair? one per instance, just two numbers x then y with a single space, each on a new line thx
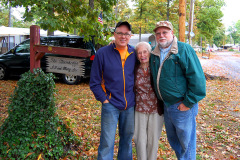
147 45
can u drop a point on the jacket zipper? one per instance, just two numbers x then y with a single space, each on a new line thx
159 73
124 81
124 89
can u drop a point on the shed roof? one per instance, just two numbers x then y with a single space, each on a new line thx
13 31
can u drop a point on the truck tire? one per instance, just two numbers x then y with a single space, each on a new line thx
71 79
3 72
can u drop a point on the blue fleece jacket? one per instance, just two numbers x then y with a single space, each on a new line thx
109 80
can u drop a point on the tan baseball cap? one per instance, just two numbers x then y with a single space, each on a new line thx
163 24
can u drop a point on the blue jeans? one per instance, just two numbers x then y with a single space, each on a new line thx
181 130
110 117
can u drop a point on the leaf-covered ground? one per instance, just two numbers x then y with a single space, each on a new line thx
218 129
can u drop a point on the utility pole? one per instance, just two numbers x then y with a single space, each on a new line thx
182 19
190 29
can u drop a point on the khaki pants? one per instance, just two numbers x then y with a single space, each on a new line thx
148 128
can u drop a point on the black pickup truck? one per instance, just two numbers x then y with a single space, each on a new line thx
17 60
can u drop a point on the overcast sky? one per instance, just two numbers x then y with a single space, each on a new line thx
231 12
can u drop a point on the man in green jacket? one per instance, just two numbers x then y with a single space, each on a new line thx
180 83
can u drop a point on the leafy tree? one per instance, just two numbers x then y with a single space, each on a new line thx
237 26
219 37
67 15
141 13
173 15
208 17
122 10
148 12
4 17
234 34
22 24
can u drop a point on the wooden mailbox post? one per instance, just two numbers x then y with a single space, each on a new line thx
37 51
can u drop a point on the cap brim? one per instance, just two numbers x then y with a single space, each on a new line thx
159 27
123 23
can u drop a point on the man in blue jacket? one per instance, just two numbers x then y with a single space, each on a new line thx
112 82
180 83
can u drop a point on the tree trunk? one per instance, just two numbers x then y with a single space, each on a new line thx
168 14
91 3
50 32
75 31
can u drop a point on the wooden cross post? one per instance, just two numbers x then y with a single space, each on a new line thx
34 40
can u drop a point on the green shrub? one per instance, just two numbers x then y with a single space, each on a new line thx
32 127
230 49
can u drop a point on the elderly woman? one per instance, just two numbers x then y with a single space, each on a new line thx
148 111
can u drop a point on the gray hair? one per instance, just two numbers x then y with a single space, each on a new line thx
147 45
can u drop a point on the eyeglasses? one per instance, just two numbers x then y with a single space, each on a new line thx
123 34
163 33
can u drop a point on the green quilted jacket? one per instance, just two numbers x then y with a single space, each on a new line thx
180 76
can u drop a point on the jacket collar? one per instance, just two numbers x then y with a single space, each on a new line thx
173 50
130 48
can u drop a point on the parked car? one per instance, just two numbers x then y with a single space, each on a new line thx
17 60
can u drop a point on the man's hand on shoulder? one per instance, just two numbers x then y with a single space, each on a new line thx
113 41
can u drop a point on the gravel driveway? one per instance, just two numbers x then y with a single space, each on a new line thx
226 64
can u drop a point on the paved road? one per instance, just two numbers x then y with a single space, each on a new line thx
225 64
